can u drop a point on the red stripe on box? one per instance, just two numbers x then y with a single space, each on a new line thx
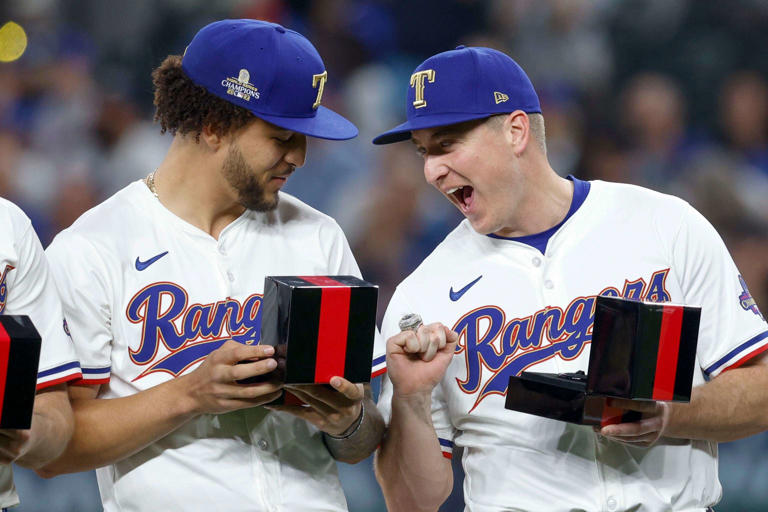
322 281
611 415
666 358
332 333
5 353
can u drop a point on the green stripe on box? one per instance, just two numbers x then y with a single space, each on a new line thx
646 350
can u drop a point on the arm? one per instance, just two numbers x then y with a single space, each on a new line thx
109 430
410 467
732 406
362 437
52 425
29 290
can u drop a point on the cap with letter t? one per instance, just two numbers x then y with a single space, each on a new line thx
462 85
271 71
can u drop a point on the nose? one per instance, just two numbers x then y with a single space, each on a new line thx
297 153
434 169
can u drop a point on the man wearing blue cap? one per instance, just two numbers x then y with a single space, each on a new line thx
516 282
162 286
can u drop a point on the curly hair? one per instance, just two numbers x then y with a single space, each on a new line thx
184 107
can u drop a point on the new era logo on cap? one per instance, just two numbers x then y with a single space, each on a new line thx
273 72
461 85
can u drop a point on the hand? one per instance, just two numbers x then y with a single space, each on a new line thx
333 411
13 444
641 433
417 360
213 388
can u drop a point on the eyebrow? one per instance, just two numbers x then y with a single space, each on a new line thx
446 131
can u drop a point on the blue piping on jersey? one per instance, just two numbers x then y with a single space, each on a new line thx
58 369
106 369
735 351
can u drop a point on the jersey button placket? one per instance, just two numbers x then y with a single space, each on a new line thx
610 482
265 443
539 263
221 248
218 253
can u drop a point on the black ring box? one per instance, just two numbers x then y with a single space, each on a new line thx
639 351
19 359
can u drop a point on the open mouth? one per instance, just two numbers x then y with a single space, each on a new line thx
464 196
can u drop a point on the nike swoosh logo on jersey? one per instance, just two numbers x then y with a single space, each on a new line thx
141 265
457 295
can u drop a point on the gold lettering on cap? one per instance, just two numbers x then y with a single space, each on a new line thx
319 79
500 97
417 81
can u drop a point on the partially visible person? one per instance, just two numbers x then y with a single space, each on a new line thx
27 288
653 112
163 282
513 288
744 117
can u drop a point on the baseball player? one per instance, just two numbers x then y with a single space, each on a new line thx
162 286
27 288
513 288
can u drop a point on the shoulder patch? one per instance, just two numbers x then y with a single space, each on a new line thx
4 286
745 299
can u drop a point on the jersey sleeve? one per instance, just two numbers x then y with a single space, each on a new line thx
441 420
342 262
732 329
81 278
32 292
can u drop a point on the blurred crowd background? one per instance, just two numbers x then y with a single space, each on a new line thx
669 94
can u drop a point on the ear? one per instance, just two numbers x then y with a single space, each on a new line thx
517 129
211 138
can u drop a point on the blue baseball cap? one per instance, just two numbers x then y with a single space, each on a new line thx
271 71
461 85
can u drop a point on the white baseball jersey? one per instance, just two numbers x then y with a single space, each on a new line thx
27 288
516 308
148 296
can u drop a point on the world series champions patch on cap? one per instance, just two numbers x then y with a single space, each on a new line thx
273 72
462 85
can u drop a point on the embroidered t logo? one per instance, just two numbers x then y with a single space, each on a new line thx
417 81
319 79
